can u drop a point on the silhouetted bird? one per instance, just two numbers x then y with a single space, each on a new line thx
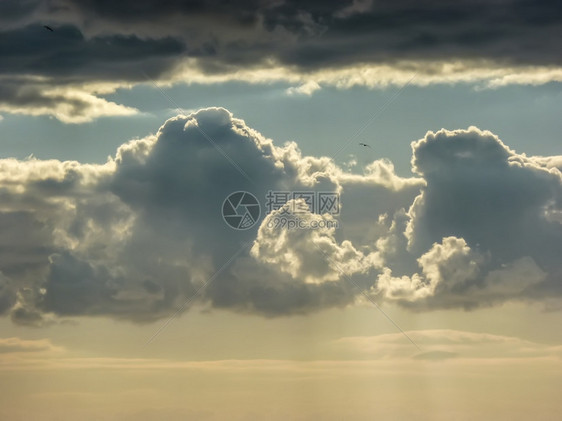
48 28
364 144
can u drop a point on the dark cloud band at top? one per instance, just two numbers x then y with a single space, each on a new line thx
97 41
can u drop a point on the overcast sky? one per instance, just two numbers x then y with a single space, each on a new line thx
433 292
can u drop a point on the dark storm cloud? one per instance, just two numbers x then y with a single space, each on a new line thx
332 33
317 34
146 9
120 42
67 55
430 29
14 11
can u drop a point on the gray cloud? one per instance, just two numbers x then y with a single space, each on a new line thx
98 41
7 295
482 191
14 12
66 54
137 237
68 104
314 33
481 224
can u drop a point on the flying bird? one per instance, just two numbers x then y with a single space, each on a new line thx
48 28
364 144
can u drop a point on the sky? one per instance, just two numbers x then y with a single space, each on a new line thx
271 209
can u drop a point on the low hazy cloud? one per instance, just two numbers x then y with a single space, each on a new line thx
24 346
346 353
137 237
445 344
97 46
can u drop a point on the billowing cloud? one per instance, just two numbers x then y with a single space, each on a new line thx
310 252
445 266
306 44
142 235
498 202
